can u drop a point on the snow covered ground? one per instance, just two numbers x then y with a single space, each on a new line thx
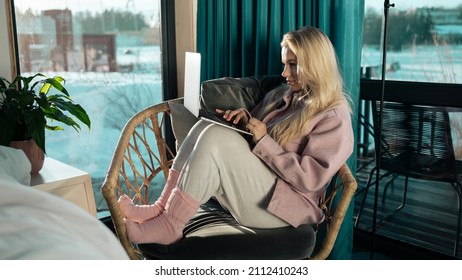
110 99
442 64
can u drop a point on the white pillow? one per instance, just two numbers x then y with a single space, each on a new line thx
15 165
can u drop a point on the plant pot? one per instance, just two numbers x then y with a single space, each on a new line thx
35 155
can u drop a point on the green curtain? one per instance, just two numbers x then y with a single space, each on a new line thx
240 38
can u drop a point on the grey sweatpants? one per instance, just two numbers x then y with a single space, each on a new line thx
218 162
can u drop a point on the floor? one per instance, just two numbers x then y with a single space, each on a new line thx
386 248
425 228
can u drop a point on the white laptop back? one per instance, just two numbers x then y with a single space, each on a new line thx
192 82
192 92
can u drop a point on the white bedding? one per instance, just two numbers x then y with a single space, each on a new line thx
38 225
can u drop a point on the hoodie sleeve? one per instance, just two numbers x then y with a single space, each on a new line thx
325 146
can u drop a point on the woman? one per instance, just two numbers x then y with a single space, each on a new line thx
301 136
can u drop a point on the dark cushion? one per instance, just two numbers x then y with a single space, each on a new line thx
235 93
214 234
182 122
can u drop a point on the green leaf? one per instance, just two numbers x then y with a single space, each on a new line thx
37 81
45 88
54 113
11 94
43 101
74 109
55 82
25 82
6 131
26 99
35 123
3 83
55 97
12 111
54 128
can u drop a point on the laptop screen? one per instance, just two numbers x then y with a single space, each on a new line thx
192 82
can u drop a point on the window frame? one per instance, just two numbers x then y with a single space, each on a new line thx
169 61
421 93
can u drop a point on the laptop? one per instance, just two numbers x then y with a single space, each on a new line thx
192 96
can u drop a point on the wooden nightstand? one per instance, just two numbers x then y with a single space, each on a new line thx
67 182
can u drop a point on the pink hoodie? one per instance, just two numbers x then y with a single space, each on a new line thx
306 164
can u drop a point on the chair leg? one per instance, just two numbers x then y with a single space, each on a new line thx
366 190
403 202
406 181
456 247
391 181
458 188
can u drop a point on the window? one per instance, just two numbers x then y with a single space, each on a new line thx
424 44
109 53
424 41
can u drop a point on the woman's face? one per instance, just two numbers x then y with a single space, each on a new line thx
290 69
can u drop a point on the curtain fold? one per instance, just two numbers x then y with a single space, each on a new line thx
240 38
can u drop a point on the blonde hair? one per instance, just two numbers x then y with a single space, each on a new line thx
321 80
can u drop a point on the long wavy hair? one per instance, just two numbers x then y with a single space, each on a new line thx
321 80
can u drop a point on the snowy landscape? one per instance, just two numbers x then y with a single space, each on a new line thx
110 99
441 63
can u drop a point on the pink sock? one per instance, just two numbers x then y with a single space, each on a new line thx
142 213
138 213
168 226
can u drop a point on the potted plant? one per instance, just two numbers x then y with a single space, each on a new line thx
24 112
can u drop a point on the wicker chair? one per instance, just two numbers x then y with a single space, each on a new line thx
142 159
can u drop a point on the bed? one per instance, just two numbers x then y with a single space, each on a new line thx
40 226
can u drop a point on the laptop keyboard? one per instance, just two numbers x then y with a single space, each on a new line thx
208 115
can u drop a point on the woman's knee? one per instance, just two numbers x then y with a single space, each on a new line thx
216 136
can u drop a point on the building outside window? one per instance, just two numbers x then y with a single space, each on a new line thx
424 41
110 56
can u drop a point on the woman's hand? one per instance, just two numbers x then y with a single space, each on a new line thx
236 116
257 128
253 125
